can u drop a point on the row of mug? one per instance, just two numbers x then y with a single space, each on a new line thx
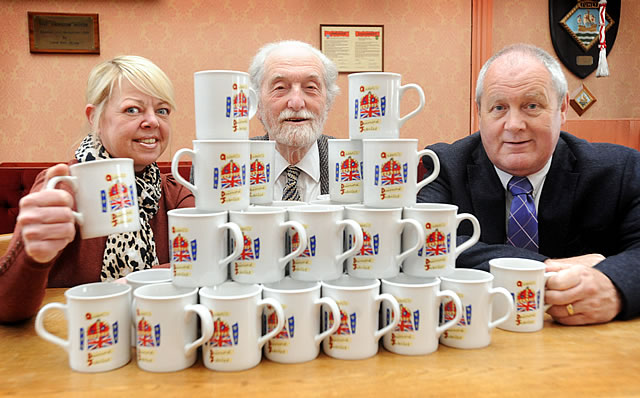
316 240
225 102
231 174
289 320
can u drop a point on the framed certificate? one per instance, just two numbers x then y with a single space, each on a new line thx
354 48
63 33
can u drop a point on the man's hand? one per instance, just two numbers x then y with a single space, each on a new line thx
593 297
46 219
588 260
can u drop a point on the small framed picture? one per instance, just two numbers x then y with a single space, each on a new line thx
354 48
581 99
53 32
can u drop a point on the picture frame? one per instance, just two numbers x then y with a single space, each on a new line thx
354 48
582 99
63 33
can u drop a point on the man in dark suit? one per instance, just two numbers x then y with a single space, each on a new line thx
582 198
296 85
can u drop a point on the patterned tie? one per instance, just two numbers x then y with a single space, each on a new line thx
522 230
290 191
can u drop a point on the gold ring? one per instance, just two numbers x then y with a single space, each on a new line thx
570 309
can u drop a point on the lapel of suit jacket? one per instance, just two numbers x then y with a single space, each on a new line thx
487 197
557 200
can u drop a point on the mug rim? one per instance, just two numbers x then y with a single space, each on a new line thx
436 207
119 290
374 73
421 282
373 283
362 207
529 264
98 162
222 141
193 212
220 71
205 291
483 276
311 286
159 271
260 210
181 292
313 208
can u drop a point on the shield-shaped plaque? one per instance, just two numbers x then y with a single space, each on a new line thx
574 32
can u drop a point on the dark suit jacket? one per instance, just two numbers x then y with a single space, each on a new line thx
324 160
590 203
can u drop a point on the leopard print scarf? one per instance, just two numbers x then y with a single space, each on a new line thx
129 251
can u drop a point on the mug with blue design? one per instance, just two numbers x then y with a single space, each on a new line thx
374 104
224 104
198 246
419 299
237 340
359 329
105 194
168 333
221 173
324 257
345 170
476 292
261 178
98 326
300 338
391 172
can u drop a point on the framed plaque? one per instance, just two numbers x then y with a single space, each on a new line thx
52 32
354 48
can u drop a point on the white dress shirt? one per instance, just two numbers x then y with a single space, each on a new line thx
308 180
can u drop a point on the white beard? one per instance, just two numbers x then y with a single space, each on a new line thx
301 136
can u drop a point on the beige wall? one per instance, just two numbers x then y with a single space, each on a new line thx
42 96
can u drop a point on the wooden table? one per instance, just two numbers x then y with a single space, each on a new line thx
593 361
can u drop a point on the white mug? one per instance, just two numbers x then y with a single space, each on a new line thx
167 327
525 279
437 256
237 339
198 246
146 277
220 174
264 257
476 294
381 253
391 172
359 301
261 178
374 104
345 170
106 196
418 330
224 103
323 259
299 340
98 326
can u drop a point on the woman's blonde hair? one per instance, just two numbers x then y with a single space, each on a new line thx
143 74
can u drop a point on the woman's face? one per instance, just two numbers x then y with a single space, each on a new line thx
134 125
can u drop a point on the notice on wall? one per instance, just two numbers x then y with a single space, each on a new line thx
354 48
64 33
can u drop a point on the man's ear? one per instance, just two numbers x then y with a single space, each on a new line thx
564 106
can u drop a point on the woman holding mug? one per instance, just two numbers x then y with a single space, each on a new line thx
129 104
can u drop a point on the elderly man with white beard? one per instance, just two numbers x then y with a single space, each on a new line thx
296 85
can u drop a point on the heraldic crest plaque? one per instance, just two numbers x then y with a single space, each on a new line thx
574 32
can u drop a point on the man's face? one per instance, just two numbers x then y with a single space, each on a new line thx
520 115
293 97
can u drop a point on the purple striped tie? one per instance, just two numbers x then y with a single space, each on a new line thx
522 229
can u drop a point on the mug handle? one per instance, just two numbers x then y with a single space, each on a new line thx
335 310
176 174
73 181
411 114
253 102
436 167
206 326
508 297
302 235
474 237
279 312
42 332
395 310
548 275
419 242
456 300
357 232
238 242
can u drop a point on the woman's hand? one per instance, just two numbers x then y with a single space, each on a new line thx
46 219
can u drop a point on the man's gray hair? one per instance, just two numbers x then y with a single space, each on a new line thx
558 79
256 70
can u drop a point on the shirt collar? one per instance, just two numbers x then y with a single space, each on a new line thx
536 179
310 163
